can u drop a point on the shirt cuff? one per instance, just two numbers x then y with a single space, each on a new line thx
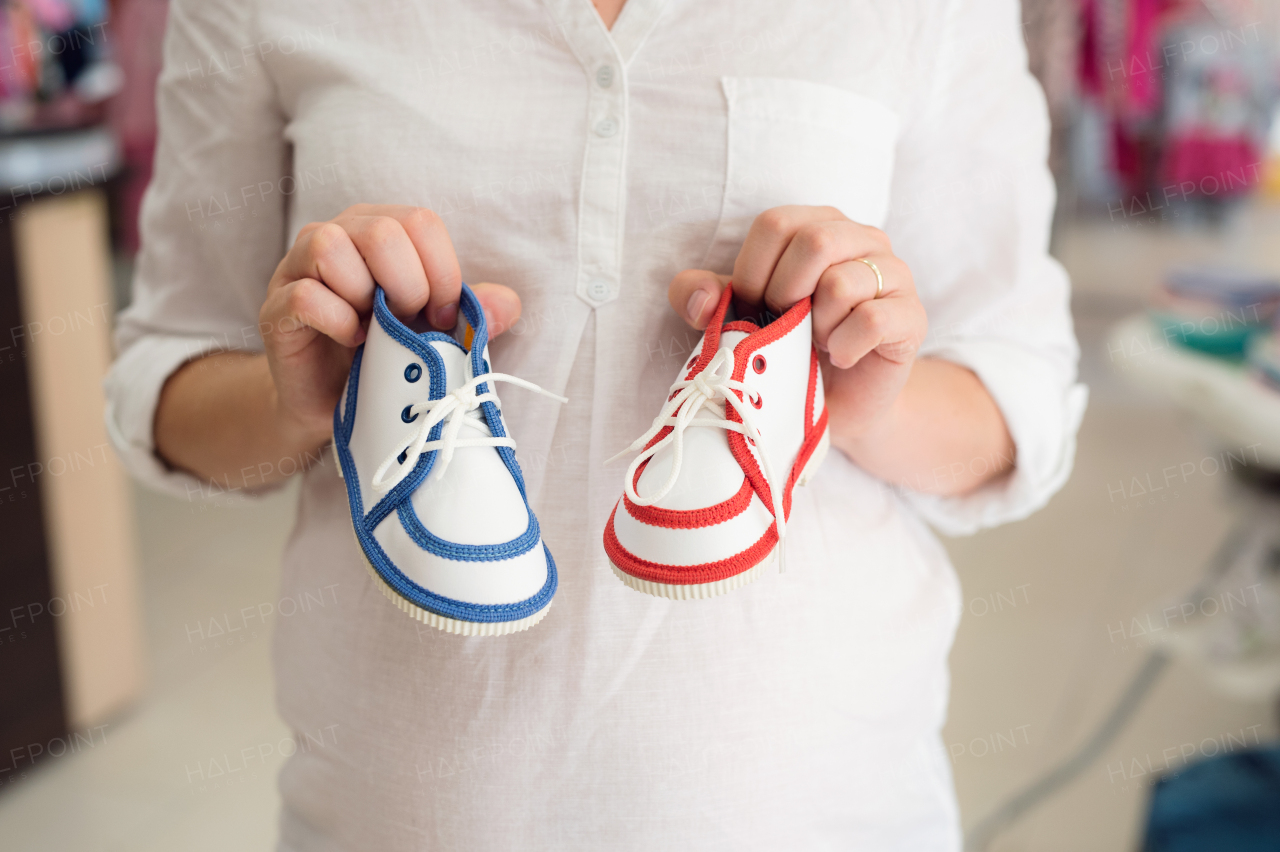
1043 415
132 389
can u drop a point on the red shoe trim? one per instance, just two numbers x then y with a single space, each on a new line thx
802 458
775 330
688 519
754 481
811 440
737 441
686 575
711 339
809 398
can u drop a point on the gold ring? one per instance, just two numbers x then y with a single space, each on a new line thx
879 277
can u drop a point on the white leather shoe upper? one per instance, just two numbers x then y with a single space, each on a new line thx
447 526
745 391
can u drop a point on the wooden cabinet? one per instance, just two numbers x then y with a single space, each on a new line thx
71 652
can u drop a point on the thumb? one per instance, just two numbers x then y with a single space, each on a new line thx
695 293
501 306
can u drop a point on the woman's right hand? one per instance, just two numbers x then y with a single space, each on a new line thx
321 297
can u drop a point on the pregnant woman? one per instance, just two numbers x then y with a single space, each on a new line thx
599 175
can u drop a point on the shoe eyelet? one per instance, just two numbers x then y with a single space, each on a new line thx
758 401
758 363
403 455
412 373
407 416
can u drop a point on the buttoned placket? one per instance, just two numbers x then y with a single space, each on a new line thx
602 204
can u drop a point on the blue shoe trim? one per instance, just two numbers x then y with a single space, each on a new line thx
344 419
411 591
455 609
467 552
414 342
474 315
345 414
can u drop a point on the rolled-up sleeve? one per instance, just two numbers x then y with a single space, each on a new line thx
213 223
972 207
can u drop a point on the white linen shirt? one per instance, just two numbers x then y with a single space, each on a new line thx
585 168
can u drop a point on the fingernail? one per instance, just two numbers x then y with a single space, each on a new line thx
696 303
446 316
822 347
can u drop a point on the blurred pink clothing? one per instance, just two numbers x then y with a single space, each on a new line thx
137 31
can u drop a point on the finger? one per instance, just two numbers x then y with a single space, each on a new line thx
392 259
501 306
695 293
326 253
816 246
300 309
768 238
844 286
439 261
305 230
892 327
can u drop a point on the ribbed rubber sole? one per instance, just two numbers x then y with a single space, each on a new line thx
453 625
696 591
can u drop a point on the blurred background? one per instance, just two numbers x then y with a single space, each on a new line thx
1117 668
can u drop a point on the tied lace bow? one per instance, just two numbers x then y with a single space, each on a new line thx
710 389
455 410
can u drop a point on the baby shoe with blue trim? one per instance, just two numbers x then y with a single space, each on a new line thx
437 498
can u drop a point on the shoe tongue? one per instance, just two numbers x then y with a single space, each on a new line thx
730 339
457 370
455 363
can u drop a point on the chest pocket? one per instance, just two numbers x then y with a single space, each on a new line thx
796 142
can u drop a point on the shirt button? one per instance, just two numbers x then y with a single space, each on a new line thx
607 127
598 289
604 76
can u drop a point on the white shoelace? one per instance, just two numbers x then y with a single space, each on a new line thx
709 389
453 408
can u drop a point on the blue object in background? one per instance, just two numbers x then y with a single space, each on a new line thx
1229 803
1217 311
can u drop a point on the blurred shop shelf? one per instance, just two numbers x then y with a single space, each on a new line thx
1240 413
1123 259
56 163
71 652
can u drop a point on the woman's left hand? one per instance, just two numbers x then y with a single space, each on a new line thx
870 340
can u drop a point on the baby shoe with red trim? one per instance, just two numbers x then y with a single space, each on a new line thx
706 502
